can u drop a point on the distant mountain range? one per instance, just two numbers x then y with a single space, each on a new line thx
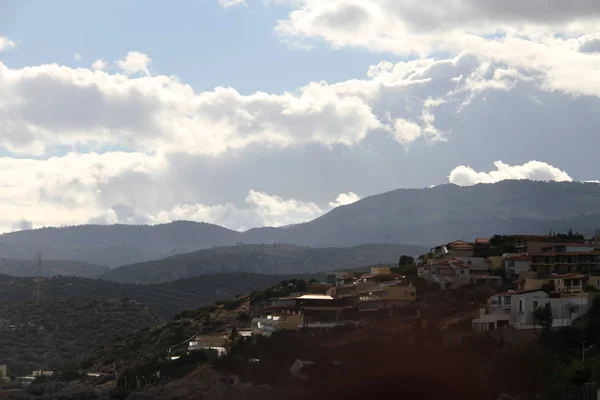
414 216
260 259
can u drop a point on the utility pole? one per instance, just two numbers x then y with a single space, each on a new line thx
583 351
38 293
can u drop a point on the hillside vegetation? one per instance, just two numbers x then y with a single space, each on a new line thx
164 300
52 334
28 267
418 216
261 259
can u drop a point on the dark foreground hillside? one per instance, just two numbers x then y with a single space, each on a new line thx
261 259
52 334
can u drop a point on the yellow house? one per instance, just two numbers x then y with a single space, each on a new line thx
380 270
566 283
496 262
385 297
531 283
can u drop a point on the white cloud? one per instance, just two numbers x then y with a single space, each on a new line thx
120 187
185 153
6 43
135 62
232 3
407 26
344 199
532 170
518 34
260 209
77 57
99 65
278 212
66 190
160 113
589 43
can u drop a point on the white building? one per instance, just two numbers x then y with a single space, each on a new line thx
516 308
516 264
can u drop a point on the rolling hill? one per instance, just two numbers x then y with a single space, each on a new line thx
260 259
415 216
164 300
115 245
51 268
51 335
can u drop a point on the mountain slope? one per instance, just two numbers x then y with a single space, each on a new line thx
51 268
443 213
164 300
115 245
51 335
273 259
418 216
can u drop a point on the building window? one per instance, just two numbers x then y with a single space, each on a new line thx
521 306
535 305
507 300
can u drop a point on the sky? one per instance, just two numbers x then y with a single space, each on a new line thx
273 112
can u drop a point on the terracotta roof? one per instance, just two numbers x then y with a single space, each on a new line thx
450 261
530 236
520 256
569 244
519 292
458 244
569 253
482 240
569 276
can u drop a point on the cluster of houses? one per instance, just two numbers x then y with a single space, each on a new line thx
541 270
565 275
344 299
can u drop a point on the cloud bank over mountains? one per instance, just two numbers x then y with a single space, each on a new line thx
117 142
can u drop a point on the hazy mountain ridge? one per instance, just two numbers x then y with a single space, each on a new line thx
115 245
260 259
415 216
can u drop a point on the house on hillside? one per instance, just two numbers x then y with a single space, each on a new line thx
302 310
203 343
379 302
481 270
456 272
516 264
457 248
528 243
566 284
515 309
562 258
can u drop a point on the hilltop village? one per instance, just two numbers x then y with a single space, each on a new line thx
524 273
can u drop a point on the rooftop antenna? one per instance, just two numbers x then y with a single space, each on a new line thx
38 293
